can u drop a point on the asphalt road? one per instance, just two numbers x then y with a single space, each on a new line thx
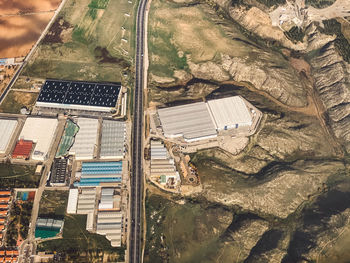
135 247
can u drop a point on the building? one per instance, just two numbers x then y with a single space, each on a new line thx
85 142
23 149
59 172
191 121
163 168
48 227
76 95
203 120
41 132
86 201
229 113
107 198
100 173
112 140
72 201
110 224
7 128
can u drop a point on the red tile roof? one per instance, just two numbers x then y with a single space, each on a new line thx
22 149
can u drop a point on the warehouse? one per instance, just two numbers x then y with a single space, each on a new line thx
86 201
72 201
113 139
110 225
76 95
98 173
86 139
42 138
59 172
229 113
7 128
202 120
191 121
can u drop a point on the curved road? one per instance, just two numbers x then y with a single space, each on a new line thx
135 247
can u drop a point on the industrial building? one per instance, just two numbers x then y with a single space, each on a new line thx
41 132
229 113
72 201
86 201
203 120
7 128
59 172
76 95
191 121
100 173
110 225
163 168
47 227
23 149
85 142
113 140
107 198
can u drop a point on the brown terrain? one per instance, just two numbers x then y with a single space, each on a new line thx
21 23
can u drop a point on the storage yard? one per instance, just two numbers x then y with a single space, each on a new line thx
83 96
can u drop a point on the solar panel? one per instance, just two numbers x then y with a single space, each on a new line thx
79 93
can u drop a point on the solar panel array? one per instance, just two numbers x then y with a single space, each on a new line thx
79 93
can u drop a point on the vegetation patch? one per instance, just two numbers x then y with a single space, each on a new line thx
15 100
79 245
295 34
99 4
53 204
18 222
18 176
320 3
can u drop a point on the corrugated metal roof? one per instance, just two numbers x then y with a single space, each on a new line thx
113 139
7 127
72 201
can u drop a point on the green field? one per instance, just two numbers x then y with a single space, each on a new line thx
53 204
67 139
80 245
85 43
18 176
184 233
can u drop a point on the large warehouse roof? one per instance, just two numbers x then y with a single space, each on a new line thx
7 127
41 131
192 121
230 112
78 95
112 141
86 139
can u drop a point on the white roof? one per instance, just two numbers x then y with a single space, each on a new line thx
229 112
72 201
7 127
90 221
41 131
192 121
86 139
113 139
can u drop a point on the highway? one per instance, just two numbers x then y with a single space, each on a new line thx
135 246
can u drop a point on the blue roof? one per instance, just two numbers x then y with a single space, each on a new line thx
115 179
101 164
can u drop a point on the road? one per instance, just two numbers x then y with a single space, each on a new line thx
135 247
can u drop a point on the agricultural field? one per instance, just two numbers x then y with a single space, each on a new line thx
21 24
91 40
15 100
53 204
18 176
81 245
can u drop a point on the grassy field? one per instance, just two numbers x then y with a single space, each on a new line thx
19 176
53 204
184 233
85 43
177 34
15 100
80 245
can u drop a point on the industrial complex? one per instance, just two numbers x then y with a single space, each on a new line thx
204 120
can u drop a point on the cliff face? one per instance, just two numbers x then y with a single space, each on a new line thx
331 74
